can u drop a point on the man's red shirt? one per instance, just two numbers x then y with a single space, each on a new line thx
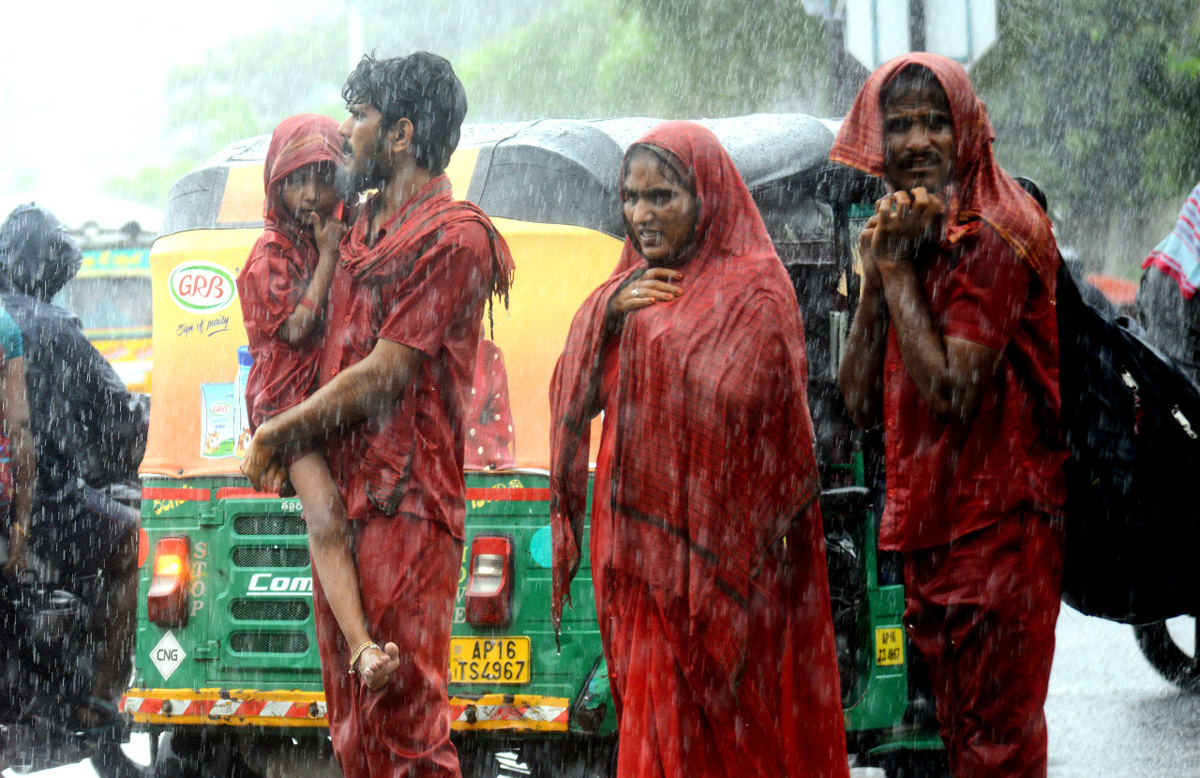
946 479
410 460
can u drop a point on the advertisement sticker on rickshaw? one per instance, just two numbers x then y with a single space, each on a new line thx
219 436
199 339
201 287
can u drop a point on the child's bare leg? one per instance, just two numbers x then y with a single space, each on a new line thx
329 545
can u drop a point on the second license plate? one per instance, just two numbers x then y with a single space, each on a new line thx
489 660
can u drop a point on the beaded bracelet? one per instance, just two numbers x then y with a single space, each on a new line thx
358 653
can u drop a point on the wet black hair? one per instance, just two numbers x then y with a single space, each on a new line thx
422 88
667 164
914 78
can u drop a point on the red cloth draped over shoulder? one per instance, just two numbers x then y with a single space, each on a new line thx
415 228
713 453
489 414
433 263
277 272
981 190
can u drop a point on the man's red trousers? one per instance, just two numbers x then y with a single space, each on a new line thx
408 572
982 612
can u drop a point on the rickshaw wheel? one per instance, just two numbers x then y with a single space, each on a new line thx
570 757
198 755
110 761
1163 651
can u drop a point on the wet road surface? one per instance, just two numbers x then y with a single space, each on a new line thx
1109 713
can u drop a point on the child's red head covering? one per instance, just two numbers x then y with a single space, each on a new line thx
298 141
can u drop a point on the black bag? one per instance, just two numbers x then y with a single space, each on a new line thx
1132 421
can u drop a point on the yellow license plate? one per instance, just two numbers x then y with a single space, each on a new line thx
489 660
889 646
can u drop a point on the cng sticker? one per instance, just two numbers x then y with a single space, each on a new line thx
201 287
889 646
167 655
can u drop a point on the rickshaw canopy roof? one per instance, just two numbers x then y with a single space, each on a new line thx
564 171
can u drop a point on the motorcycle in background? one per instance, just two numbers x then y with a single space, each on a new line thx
47 658
1171 649
49 652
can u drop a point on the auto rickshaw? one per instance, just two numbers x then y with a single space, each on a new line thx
111 296
226 666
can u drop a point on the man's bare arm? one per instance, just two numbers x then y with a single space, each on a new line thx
364 389
949 373
860 376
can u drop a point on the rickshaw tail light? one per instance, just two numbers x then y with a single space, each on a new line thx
167 600
490 584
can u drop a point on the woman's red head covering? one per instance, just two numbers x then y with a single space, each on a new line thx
298 141
714 443
980 191
729 224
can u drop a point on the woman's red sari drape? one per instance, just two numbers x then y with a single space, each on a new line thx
709 443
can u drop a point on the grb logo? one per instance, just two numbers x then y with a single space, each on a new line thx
201 287
220 409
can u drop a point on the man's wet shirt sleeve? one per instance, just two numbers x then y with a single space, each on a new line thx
445 285
987 293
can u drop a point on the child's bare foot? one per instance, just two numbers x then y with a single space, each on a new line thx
375 666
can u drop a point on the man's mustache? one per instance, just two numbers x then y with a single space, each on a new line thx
347 149
925 158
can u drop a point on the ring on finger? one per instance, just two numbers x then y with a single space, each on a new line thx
636 293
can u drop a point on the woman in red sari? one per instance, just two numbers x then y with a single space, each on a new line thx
707 552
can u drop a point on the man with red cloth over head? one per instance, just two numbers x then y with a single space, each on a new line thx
404 318
954 349
707 552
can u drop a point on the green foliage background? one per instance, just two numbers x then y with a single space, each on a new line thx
1099 100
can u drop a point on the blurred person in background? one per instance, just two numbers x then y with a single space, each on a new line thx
83 421
1170 277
